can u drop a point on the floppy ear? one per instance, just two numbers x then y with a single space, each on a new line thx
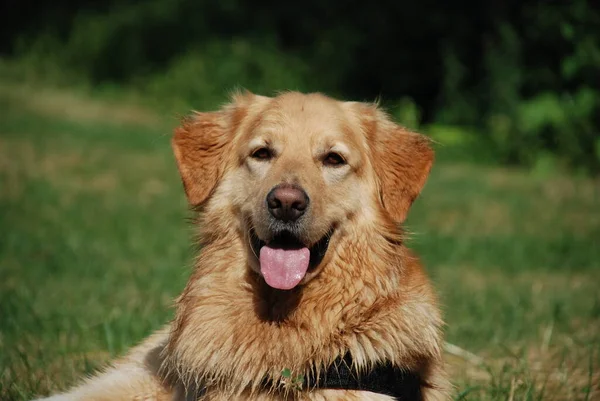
201 145
402 161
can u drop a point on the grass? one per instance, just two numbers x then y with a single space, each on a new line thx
94 246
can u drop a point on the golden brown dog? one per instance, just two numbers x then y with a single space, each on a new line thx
300 198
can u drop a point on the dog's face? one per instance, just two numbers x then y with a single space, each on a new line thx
295 172
301 174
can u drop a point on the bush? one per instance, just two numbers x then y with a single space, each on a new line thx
201 77
407 113
555 127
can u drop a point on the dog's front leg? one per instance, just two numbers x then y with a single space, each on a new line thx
134 377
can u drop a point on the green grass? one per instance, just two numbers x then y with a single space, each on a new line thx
94 246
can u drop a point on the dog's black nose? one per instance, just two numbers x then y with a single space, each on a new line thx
287 202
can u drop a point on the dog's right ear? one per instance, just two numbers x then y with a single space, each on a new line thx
202 143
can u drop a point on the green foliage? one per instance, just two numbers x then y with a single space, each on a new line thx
550 124
457 105
520 77
200 78
407 113
531 114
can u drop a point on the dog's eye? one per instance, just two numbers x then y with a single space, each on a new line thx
333 159
262 154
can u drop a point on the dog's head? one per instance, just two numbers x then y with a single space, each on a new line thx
295 173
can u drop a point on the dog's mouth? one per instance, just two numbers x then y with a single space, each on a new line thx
284 260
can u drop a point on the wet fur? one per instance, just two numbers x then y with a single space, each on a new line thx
369 296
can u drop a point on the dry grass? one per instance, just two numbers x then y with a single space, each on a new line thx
79 107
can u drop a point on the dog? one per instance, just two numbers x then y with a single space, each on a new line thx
303 276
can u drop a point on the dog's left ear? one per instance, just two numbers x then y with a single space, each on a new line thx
201 145
402 160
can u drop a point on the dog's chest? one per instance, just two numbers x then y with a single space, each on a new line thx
317 395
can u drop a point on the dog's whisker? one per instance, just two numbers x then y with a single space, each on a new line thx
251 247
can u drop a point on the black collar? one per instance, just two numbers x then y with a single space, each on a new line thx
382 378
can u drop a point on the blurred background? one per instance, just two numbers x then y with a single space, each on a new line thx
94 243
519 78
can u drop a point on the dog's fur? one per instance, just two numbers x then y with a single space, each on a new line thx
368 296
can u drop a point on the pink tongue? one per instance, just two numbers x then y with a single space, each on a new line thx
283 268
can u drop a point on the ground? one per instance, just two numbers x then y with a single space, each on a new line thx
95 244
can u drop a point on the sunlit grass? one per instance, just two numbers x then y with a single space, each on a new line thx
94 246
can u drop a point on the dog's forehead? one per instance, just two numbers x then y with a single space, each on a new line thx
296 113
